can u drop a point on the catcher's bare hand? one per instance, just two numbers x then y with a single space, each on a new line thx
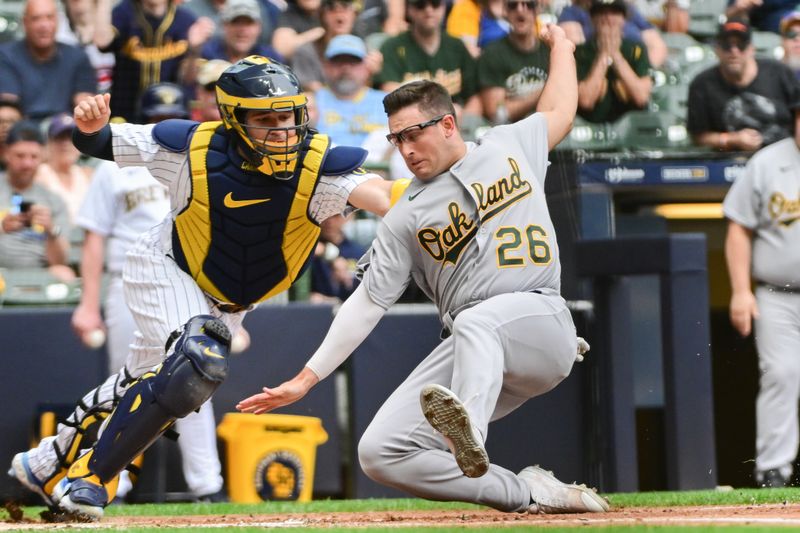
92 113
286 393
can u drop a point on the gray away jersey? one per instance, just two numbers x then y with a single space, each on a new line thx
766 199
479 230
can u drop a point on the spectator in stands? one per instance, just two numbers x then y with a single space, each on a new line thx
337 17
333 268
614 72
61 173
10 114
764 15
790 34
667 15
579 27
761 249
426 52
477 23
512 70
298 25
241 28
33 220
743 102
76 25
204 107
46 77
349 110
150 39
269 11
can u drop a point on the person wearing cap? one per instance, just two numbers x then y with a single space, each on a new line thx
764 15
269 11
426 52
613 72
241 31
29 65
790 41
121 204
337 17
512 71
33 220
60 172
349 109
762 249
742 103
153 41
204 106
577 23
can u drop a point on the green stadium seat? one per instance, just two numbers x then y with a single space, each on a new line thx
595 137
670 97
648 130
768 45
36 286
705 17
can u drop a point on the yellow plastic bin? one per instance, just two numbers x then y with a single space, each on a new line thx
270 457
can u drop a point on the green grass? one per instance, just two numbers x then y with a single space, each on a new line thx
621 500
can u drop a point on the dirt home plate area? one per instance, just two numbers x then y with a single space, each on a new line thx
764 515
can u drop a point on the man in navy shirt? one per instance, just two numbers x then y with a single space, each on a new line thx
43 76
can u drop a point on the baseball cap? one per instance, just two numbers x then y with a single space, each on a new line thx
789 19
346 45
329 3
210 71
618 5
734 27
163 100
60 124
24 130
240 8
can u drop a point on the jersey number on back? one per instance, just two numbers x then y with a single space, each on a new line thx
511 238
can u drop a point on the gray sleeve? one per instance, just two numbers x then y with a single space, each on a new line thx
388 268
741 204
531 134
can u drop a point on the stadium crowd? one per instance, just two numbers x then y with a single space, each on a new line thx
736 84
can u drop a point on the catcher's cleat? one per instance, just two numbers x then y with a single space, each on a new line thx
81 493
22 472
445 412
84 498
551 496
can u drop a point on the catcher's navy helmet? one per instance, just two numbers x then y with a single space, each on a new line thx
162 100
257 83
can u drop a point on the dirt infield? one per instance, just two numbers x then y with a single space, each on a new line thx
765 515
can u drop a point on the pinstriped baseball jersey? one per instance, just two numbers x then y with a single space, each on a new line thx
481 229
766 199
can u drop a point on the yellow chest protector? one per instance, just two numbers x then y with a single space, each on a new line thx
245 236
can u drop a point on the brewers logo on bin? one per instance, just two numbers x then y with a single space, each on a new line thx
270 457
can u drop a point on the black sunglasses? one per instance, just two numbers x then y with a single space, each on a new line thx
791 34
422 4
514 4
730 45
410 133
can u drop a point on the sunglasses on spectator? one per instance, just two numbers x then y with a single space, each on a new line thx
514 4
412 133
791 34
730 45
422 4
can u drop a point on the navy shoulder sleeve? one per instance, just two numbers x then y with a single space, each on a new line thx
174 134
343 159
